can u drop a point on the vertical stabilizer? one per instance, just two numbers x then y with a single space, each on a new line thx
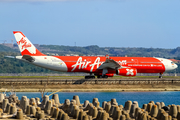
25 46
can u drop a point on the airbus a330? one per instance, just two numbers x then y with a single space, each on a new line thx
102 67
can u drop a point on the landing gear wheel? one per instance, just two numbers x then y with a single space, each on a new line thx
90 77
160 75
99 76
105 76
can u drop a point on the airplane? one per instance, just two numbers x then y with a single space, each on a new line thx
102 67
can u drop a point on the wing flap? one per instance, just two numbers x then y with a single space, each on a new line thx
110 64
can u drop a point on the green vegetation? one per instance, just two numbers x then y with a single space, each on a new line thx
112 51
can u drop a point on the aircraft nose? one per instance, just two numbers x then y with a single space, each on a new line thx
175 66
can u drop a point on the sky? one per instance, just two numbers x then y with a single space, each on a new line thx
106 23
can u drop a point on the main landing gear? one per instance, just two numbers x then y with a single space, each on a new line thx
90 77
93 76
100 76
160 75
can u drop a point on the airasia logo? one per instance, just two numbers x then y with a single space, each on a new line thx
130 71
83 64
24 43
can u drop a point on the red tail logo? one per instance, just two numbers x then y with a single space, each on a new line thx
24 42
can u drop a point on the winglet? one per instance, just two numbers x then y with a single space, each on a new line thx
25 46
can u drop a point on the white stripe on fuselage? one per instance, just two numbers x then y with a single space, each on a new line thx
49 62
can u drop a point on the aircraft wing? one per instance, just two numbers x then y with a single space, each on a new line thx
109 64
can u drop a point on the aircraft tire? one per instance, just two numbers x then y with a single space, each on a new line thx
160 75
99 76
90 77
105 76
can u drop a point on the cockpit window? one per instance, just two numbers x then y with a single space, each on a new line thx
172 62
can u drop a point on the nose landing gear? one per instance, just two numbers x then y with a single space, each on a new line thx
160 75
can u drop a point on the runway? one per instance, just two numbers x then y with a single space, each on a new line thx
89 85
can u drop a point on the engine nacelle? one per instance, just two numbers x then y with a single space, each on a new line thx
110 75
107 74
126 72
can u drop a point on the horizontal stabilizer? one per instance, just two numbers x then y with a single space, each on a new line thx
28 58
10 56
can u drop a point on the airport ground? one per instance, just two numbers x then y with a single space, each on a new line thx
78 84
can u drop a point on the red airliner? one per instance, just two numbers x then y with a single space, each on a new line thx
102 67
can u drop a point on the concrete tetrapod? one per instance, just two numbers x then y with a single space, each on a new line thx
33 110
158 105
173 111
52 111
56 113
104 104
19 114
149 107
107 107
99 115
4 105
111 110
160 113
113 102
116 108
86 102
65 116
132 111
76 97
154 111
45 99
144 106
22 101
165 117
122 117
48 107
76 113
127 105
40 115
28 110
25 104
61 112
96 104
95 100
162 104
80 117
56 98
85 117
104 116
136 103
12 109
178 108
137 111
117 115
1 97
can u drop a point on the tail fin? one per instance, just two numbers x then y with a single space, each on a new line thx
25 46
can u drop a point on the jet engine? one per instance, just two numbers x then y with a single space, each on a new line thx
126 72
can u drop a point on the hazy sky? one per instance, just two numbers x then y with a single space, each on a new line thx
106 23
